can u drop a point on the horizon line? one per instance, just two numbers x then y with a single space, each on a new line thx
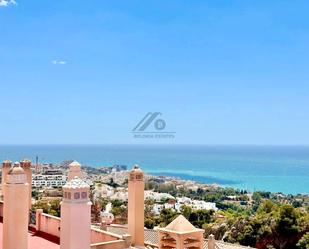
149 144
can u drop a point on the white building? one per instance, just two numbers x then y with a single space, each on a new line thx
121 195
39 181
198 205
183 200
103 190
107 215
194 204
157 208
150 195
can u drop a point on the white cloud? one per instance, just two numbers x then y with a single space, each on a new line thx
5 3
59 62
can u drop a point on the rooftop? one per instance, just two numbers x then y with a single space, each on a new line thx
180 225
152 237
35 241
74 164
75 183
136 169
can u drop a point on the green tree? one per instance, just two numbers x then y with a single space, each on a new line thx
200 217
49 207
150 223
256 197
286 229
186 211
35 194
116 211
266 207
303 243
287 221
167 215
117 203
247 236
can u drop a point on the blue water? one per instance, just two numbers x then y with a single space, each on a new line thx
272 168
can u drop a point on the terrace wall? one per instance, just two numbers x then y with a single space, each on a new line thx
49 224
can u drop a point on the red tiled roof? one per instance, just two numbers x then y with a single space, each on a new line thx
35 241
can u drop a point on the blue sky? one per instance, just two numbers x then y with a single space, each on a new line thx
220 72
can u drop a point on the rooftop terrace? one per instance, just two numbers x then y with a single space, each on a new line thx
35 240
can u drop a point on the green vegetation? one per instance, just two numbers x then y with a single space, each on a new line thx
35 194
278 225
112 183
51 207
272 224
262 219
303 243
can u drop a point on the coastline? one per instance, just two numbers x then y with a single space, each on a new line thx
178 180
267 168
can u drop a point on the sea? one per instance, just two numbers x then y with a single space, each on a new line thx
255 168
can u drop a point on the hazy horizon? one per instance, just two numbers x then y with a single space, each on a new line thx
161 144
